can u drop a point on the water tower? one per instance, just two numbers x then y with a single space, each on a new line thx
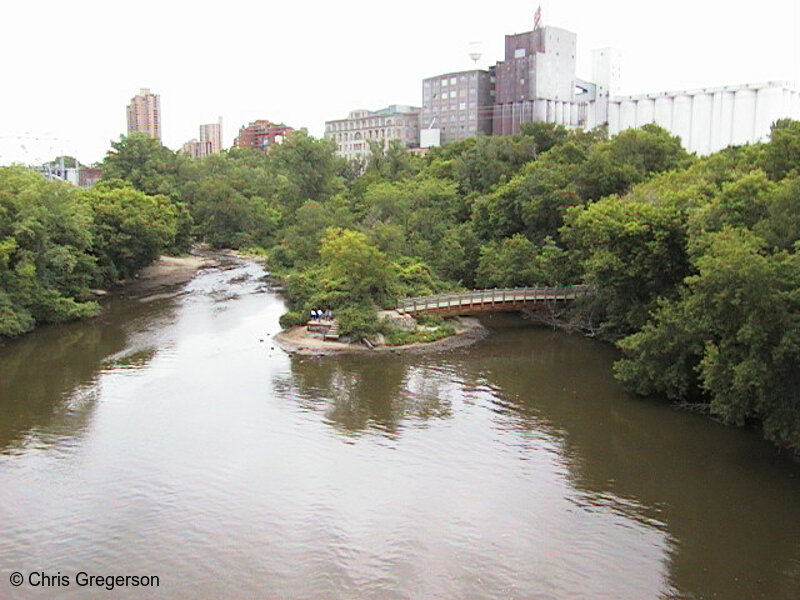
475 51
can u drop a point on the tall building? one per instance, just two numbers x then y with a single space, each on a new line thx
458 104
210 141
261 134
144 114
536 81
353 134
212 133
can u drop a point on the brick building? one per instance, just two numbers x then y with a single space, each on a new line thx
262 134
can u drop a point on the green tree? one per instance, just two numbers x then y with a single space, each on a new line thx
612 167
130 229
143 162
780 226
392 162
360 269
748 305
633 252
782 154
46 265
304 169
545 135
507 263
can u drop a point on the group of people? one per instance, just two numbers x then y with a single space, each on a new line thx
318 315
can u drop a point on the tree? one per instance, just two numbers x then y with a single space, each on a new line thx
545 135
516 261
306 169
130 229
747 305
226 218
361 271
506 263
782 154
534 200
630 157
780 226
46 262
391 162
633 252
143 162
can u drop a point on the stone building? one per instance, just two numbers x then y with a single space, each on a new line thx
353 134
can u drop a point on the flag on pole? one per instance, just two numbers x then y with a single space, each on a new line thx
537 17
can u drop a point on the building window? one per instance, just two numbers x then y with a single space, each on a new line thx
519 53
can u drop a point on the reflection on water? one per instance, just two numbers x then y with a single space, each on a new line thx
356 393
47 378
170 436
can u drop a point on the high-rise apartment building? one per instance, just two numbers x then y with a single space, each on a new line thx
353 134
144 114
261 134
210 141
212 133
459 104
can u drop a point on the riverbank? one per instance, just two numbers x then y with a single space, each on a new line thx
165 272
297 340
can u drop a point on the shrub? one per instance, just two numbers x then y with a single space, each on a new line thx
398 337
358 320
292 318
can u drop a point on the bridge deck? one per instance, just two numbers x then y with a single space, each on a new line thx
489 300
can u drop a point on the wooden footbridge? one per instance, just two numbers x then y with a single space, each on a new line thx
496 300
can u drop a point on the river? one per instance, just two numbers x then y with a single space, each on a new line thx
172 437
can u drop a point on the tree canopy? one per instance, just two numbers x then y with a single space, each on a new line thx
692 262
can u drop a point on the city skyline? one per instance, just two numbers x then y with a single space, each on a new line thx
676 46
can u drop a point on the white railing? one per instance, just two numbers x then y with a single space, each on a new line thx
494 296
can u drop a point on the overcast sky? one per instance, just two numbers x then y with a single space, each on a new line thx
70 68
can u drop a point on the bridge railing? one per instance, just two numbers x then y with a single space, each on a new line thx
493 296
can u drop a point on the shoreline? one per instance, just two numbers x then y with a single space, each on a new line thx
165 271
296 340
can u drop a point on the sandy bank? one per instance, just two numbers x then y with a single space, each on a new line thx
299 341
167 271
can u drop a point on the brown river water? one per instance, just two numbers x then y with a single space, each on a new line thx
172 437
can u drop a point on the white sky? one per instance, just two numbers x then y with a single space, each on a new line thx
70 68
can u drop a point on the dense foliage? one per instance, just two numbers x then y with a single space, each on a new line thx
693 262
56 242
